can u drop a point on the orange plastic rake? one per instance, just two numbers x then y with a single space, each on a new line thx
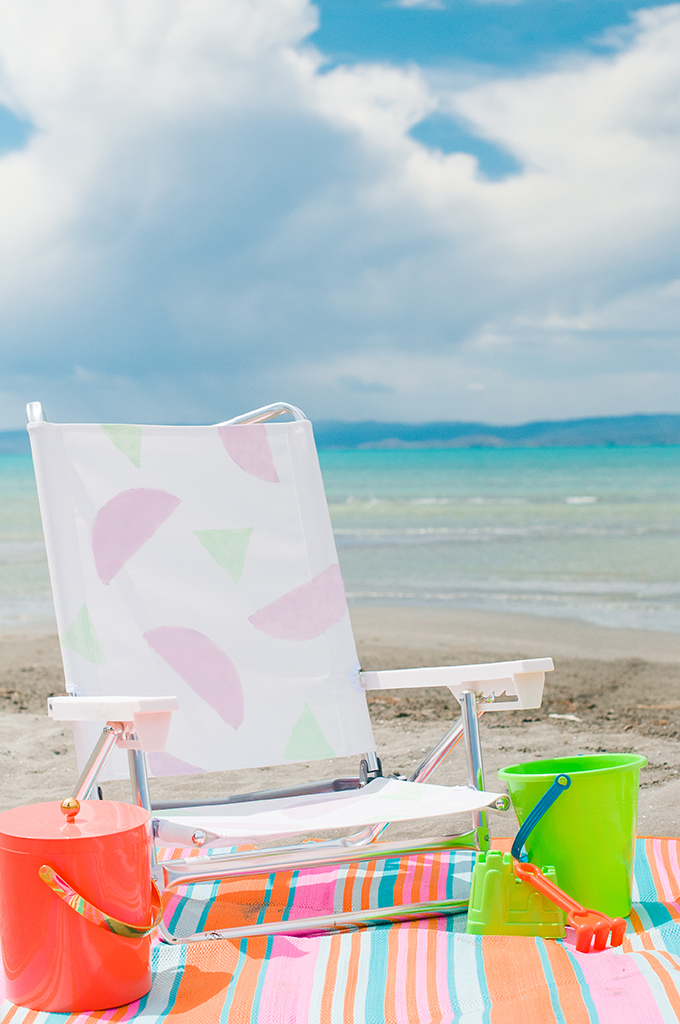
592 928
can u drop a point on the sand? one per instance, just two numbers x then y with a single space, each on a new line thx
622 686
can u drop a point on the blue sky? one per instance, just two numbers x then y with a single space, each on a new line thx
481 34
409 209
471 38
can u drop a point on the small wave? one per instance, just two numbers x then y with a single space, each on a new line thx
22 551
621 592
555 532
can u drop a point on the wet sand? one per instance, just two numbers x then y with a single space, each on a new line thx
620 687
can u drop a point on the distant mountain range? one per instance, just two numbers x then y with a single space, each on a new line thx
605 431
598 432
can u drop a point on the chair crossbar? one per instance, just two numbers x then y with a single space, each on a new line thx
173 873
349 919
306 789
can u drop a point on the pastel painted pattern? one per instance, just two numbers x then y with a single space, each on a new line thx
125 524
307 741
228 548
81 637
203 666
306 612
248 446
127 440
162 763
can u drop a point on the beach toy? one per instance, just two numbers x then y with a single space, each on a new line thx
77 904
588 834
560 785
503 904
592 928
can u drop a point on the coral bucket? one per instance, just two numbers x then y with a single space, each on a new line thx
77 904
588 834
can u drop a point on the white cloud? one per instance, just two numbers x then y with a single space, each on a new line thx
207 220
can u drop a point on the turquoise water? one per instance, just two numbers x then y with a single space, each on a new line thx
24 582
592 533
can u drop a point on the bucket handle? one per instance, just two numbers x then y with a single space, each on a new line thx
91 913
560 785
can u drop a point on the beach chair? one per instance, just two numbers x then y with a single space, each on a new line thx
203 624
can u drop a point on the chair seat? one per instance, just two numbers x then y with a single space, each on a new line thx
381 800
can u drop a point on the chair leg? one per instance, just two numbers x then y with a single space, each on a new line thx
475 765
438 753
139 778
102 752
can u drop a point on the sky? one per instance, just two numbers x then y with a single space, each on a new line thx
374 209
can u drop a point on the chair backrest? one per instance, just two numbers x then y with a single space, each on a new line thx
200 562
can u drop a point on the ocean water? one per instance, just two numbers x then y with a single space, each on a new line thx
592 533
25 597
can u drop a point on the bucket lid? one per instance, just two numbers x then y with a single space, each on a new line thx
94 818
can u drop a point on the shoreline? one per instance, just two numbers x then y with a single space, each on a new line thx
515 632
480 629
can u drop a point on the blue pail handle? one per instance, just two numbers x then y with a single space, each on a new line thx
560 785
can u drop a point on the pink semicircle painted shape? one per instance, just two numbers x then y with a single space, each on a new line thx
203 666
248 445
162 763
306 612
124 524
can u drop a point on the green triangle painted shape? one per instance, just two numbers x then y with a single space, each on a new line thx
81 637
227 547
307 741
127 439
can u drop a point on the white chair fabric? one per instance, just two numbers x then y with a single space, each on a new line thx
381 800
200 562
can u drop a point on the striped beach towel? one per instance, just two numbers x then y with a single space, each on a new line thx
422 972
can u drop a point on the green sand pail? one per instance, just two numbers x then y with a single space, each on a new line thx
589 832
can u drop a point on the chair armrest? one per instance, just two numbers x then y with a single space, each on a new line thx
503 685
148 718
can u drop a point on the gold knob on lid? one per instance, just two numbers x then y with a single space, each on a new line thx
70 807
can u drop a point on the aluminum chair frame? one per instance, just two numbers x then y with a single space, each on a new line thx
363 846
360 847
